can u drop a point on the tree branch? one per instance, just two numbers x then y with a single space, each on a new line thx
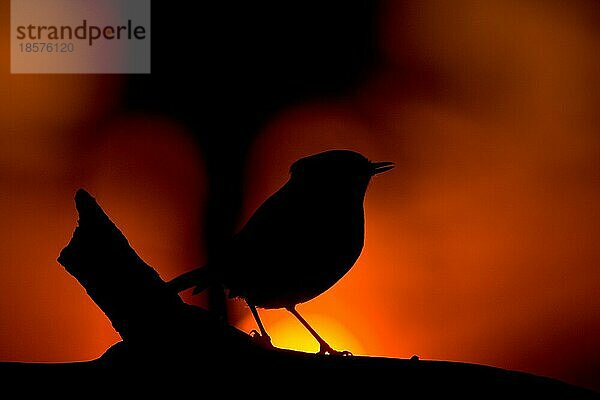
162 333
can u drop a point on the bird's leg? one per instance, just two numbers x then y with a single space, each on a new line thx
324 347
263 337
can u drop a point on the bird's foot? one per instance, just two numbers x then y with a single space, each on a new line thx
261 340
326 349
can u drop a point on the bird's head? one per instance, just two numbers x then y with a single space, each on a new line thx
338 170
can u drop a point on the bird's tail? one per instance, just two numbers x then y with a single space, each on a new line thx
199 277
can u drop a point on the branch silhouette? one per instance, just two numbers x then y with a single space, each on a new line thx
140 306
162 334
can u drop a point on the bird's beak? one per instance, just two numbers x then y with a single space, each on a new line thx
379 167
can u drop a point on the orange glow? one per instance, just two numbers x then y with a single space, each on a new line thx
59 133
149 175
287 333
145 171
482 244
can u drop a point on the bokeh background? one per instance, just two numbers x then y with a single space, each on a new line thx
482 245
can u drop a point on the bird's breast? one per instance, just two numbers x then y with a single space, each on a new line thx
328 254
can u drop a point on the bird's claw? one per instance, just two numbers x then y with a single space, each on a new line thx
328 350
262 340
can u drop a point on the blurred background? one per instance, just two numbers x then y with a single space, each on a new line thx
481 246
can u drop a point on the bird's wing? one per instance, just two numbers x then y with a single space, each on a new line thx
269 237
295 243
271 224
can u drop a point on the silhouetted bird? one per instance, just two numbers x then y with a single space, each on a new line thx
300 242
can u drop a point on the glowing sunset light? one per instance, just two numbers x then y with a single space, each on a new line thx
287 333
